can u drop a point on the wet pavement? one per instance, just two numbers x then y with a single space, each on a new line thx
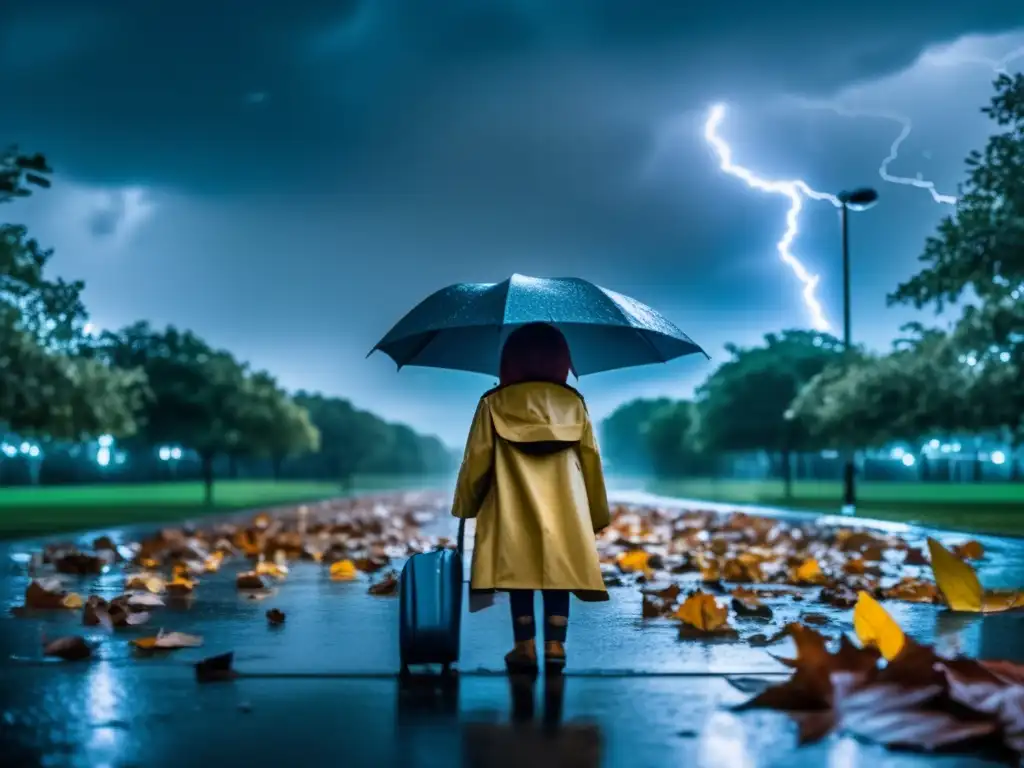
322 688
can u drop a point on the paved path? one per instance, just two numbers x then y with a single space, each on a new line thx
320 688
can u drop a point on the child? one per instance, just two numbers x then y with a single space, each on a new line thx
532 477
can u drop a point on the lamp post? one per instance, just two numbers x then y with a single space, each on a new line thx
858 200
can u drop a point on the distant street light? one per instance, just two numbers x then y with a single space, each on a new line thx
858 200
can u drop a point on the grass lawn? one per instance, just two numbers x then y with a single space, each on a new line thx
977 508
29 511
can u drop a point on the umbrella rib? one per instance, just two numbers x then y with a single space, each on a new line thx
658 356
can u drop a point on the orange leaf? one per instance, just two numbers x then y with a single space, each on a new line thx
633 561
701 611
344 570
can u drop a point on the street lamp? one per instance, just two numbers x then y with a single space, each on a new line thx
857 200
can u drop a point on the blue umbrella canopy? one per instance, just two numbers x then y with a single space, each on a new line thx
464 326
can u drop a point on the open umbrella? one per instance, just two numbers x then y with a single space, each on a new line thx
463 327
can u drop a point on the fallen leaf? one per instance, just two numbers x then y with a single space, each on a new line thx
634 561
149 582
80 564
143 600
213 562
960 586
179 586
344 570
815 619
249 580
96 613
264 568
809 572
751 608
48 594
168 641
71 648
666 594
216 669
387 586
875 627
913 591
275 616
969 550
702 612
838 597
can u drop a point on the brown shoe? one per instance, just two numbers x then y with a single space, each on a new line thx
522 659
554 657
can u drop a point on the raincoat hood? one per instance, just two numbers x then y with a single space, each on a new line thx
537 412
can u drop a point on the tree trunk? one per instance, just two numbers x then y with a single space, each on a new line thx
206 460
923 468
786 467
978 470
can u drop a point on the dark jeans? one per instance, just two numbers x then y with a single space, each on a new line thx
556 607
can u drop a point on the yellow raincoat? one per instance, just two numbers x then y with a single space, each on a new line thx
532 478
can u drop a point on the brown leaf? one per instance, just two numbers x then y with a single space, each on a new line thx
80 564
667 594
71 648
752 609
48 594
387 586
969 550
249 580
815 619
97 613
275 616
167 641
838 597
216 669
702 612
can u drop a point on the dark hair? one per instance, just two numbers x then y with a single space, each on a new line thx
535 352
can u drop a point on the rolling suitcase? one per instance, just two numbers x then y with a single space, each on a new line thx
430 607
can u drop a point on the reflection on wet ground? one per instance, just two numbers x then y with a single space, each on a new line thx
634 693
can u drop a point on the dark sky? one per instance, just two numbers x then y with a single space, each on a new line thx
288 178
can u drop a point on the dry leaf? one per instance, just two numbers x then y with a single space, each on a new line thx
344 570
80 564
213 562
809 572
750 607
875 627
168 641
143 600
216 669
969 550
249 580
387 586
179 586
71 648
960 586
701 612
48 594
913 591
815 619
634 561
149 582
275 616
264 568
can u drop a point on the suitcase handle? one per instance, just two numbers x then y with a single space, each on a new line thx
460 541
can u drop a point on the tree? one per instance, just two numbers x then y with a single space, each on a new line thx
979 250
919 388
197 392
50 382
270 424
670 439
743 405
624 444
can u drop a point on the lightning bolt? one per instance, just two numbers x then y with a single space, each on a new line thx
796 191
906 127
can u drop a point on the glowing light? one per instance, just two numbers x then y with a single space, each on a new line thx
796 191
103 457
908 460
175 453
998 457
165 453
105 441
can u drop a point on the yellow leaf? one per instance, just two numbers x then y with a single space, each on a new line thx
634 560
874 626
809 572
180 586
701 611
72 600
146 581
956 579
271 569
344 570
213 562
